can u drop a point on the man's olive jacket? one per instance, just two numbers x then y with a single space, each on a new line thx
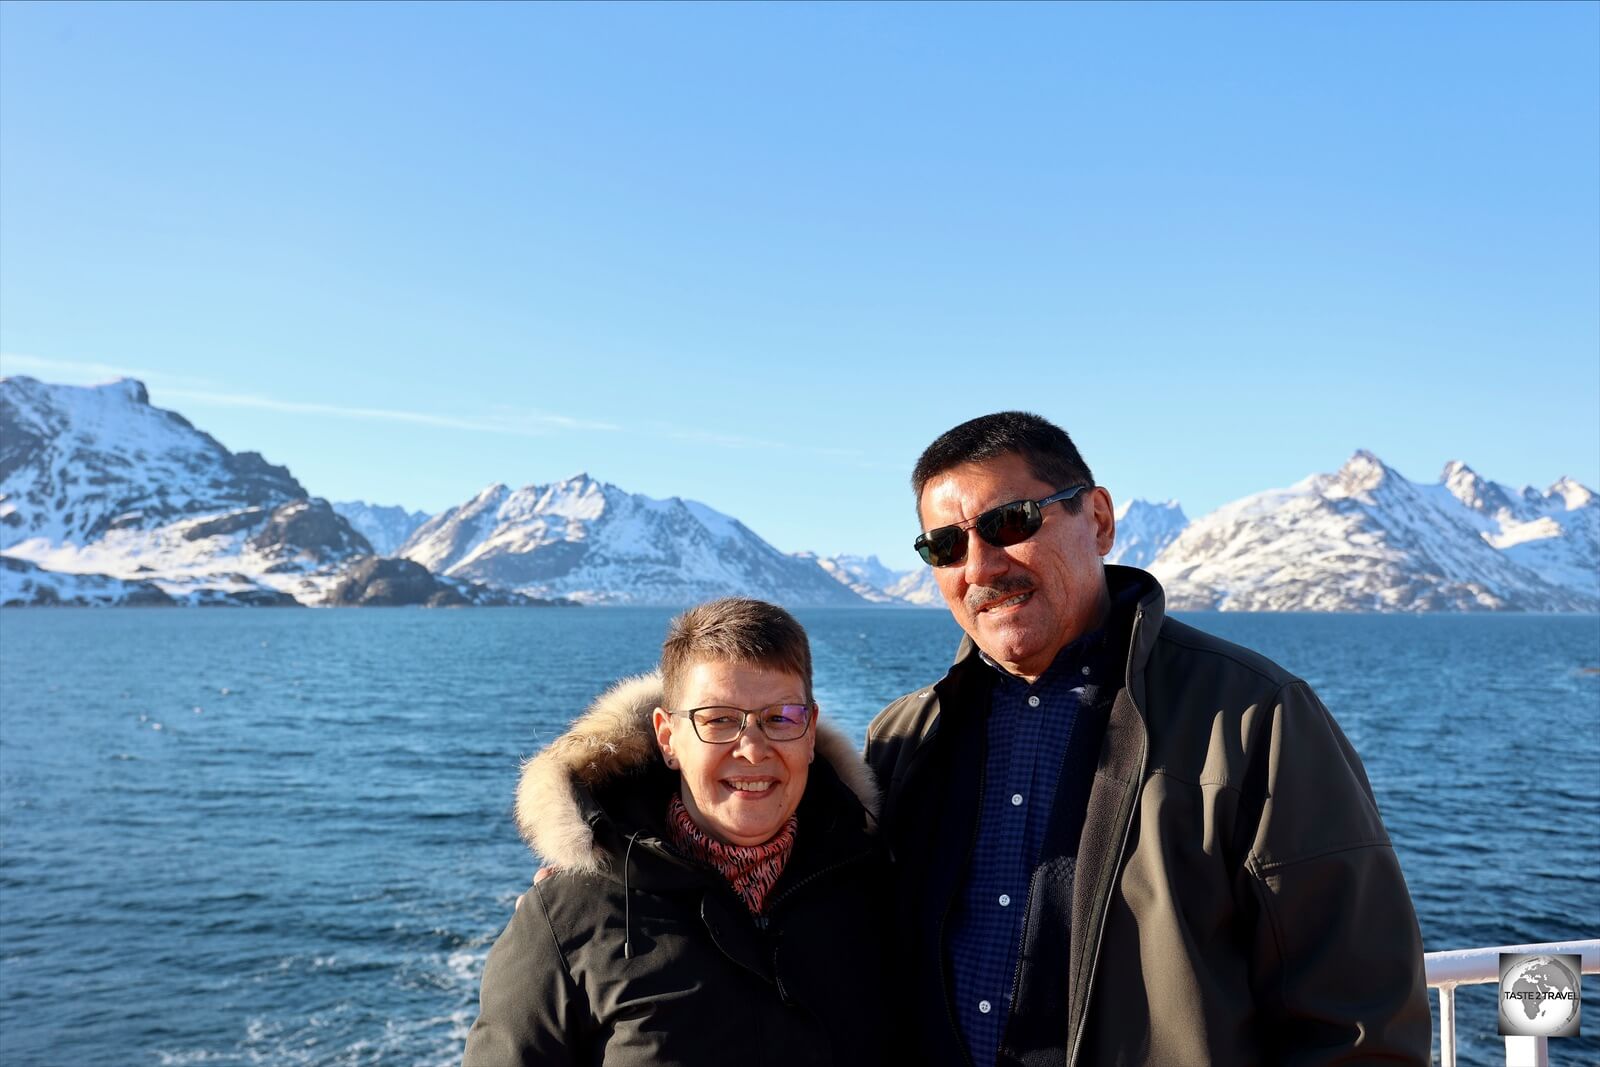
1233 898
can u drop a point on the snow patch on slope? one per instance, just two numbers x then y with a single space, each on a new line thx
595 543
1366 539
1143 530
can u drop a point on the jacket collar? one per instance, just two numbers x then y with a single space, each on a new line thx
1150 608
613 742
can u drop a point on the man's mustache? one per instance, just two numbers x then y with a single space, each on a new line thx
980 596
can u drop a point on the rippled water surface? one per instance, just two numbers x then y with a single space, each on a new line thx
283 837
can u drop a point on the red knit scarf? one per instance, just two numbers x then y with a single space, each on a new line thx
752 870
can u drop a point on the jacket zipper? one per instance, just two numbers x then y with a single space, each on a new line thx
762 921
812 877
1102 897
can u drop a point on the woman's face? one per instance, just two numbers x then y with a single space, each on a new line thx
741 793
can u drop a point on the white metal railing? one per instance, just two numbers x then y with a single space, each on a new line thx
1476 966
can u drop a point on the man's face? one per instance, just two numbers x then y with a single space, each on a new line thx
1024 603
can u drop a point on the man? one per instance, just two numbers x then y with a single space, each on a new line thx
1119 840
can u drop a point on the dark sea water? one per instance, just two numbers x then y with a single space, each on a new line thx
284 837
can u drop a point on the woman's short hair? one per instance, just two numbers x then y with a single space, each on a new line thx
734 629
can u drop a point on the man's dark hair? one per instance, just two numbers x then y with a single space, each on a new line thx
1045 447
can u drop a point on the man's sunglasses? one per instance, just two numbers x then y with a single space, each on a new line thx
1008 524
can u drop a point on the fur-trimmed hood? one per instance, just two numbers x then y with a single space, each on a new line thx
614 739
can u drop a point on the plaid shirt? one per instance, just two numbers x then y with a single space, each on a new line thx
1030 732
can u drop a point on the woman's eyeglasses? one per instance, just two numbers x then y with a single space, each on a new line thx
1008 524
723 726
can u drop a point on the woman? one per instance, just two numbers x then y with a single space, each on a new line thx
715 864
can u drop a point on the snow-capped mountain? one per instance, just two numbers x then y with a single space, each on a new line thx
864 575
596 543
94 481
1555 534
105 499
868 569
79 462
385 528
1144 529
918 587
1366 539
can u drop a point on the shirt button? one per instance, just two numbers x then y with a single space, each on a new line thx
1033 702
984 1007
1086 670
1016 800
1005 900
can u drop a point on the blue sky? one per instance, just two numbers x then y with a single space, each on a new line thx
760 255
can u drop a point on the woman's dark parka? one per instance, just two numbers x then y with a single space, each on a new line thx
631 954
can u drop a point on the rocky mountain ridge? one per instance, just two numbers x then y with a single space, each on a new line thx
97 484
107 499
1364 538
1144 530
595 543
385 528
863 575
78 463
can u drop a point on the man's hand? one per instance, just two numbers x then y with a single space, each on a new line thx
538 876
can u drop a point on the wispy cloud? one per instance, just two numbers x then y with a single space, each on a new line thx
501 419
88 372
516 416
526 424
169 387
